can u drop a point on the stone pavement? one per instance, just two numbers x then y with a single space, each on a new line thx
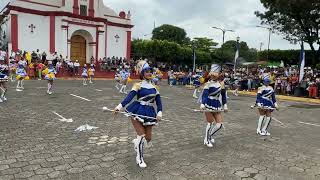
34 144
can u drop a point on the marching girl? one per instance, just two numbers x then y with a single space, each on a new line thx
144 113
91 73
84 74
266 103
21 74
213 102
50 76
196 83
3 80
117 79
124 80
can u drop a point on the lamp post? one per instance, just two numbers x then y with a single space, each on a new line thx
223 34
270 31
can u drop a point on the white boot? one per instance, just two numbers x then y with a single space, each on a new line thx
121 89
125 89
117 87
207 138
266 124
90 80
260 121
84 82
3 97
18 86
214 130
195 93
22 84
139 147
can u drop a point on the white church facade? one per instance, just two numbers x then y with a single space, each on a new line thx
79 29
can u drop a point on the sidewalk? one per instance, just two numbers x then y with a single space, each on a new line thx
282 97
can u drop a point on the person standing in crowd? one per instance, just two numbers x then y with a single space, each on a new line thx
44 57
76 67
70 67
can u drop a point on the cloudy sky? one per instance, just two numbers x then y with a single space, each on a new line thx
196 17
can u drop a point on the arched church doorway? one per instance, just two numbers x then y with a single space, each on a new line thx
81 46
78 49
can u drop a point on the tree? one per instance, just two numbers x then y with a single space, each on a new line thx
296 20
170 33
203 44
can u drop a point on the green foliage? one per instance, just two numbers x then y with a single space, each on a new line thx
296 20
290 57
170 33
203 44
165 51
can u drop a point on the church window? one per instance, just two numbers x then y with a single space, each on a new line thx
83 10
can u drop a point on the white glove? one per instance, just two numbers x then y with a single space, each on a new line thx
276 106
118 108
225 107
202 107
159 115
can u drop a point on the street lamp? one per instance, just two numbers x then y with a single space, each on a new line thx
270 31
223 34
237 53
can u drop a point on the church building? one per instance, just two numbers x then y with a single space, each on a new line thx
79 29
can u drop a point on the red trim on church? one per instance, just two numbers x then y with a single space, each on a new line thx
128 45
52 34
91 8
106 41
75 7
81 24
14 32
43 4
68 14
97 43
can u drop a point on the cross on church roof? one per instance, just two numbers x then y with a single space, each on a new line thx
32 27
117 37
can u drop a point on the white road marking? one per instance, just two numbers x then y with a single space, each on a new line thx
165 97
309 124
99 90
277 121
63 119
80 97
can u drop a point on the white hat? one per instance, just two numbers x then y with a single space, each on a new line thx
215 68
141 66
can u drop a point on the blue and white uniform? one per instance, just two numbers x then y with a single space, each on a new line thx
21 71
124 74
196 80
51 73
143 109
147 96
3 75
266 97
84 72
266 100
214 96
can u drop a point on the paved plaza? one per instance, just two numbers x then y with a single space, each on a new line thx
35 144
